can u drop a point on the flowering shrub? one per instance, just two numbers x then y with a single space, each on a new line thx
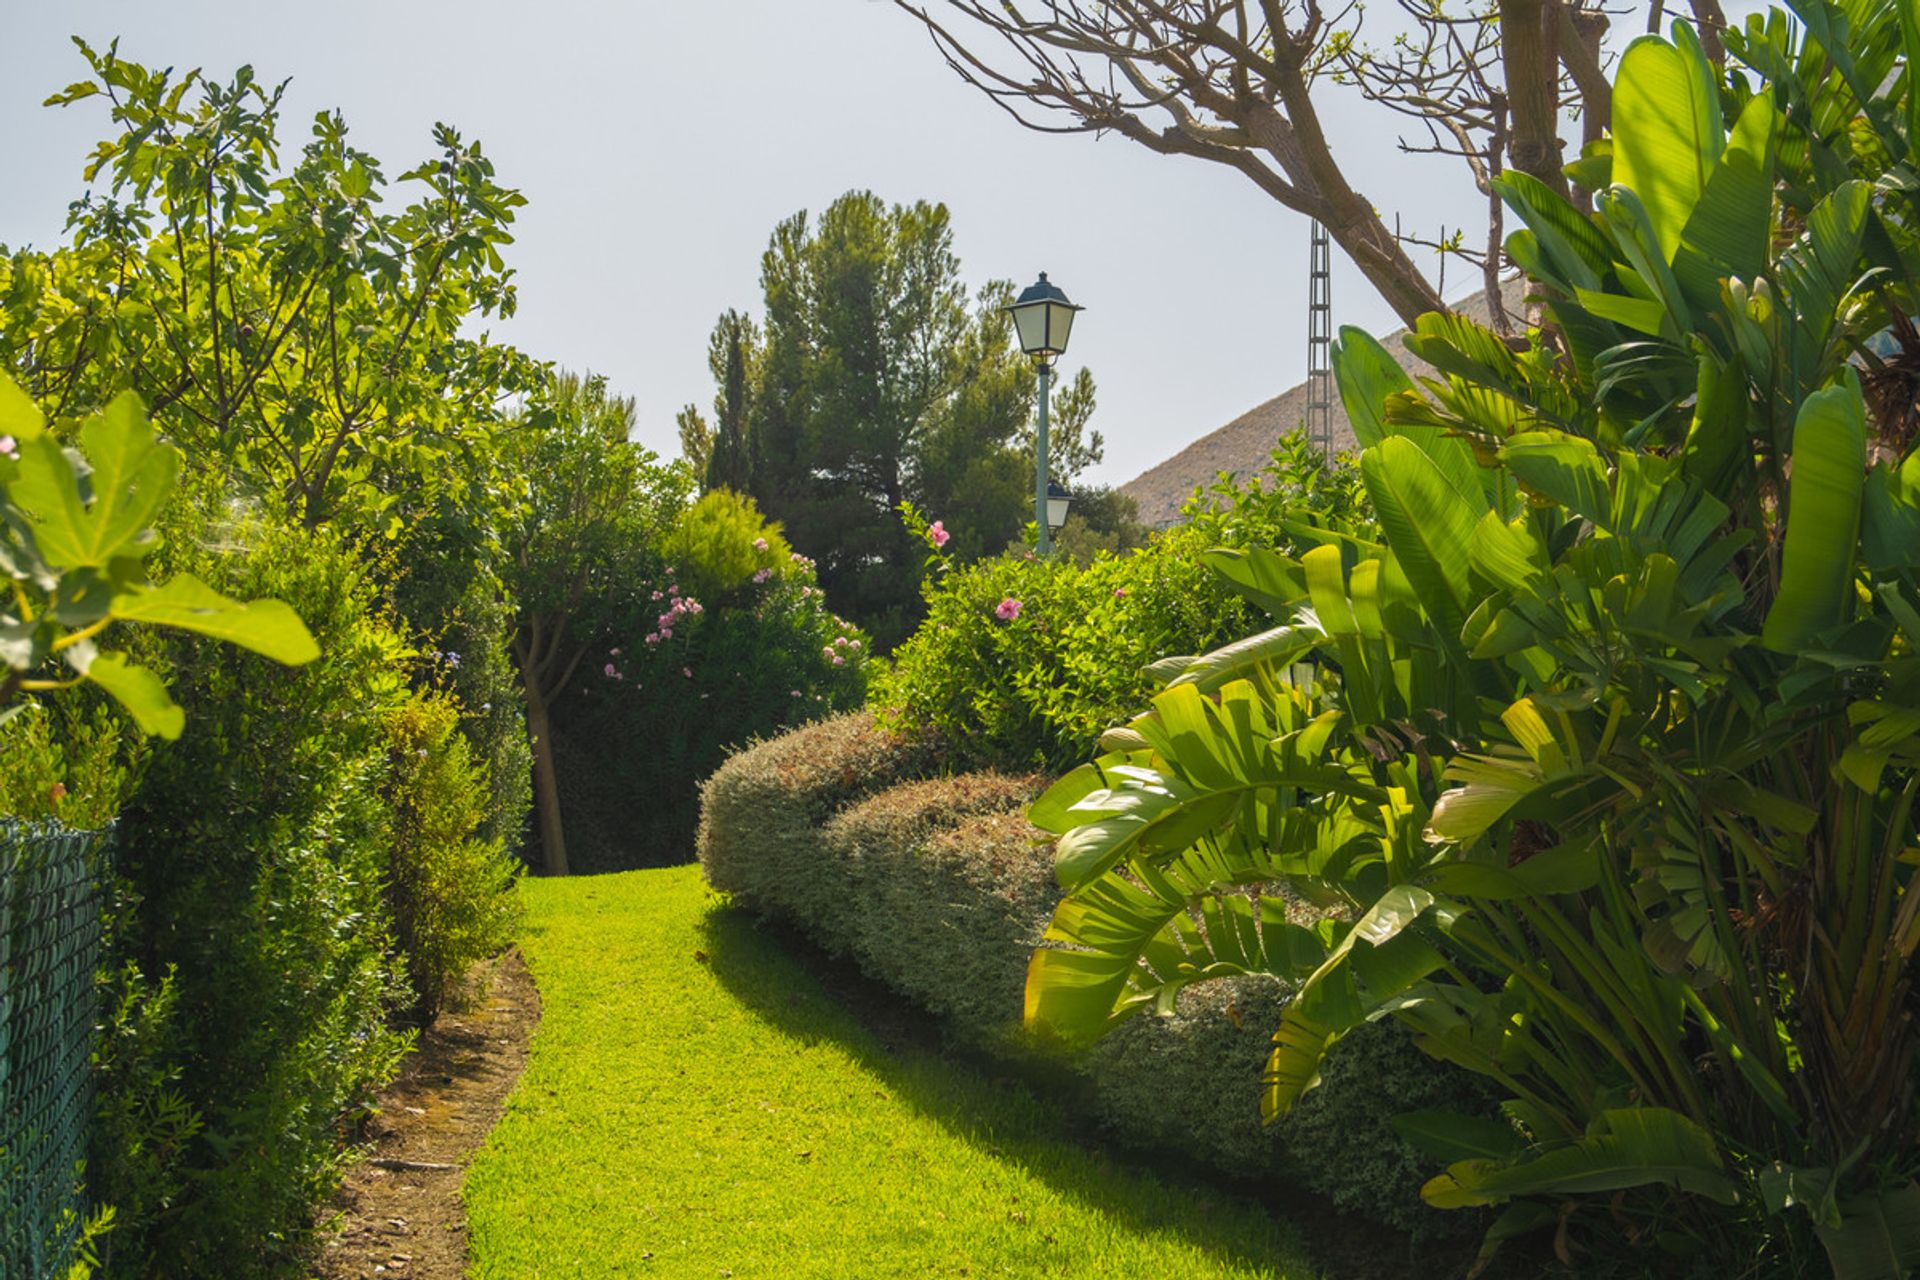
1024 662
737 644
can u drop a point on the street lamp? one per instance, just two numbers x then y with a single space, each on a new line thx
1058 500
1042 319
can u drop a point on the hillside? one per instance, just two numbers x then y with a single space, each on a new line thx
1242 446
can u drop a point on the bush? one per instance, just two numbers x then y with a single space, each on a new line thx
687 679
451 889
940 888
1038 689
250 950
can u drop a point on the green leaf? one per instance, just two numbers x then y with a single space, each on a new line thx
141 692
1367 375
19 416
1428 524
1878 1237
1727 233
1823 518
1667 132
268 627
1449 1136
132 475
1636 1147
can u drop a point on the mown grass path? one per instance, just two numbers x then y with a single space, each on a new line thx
696 1106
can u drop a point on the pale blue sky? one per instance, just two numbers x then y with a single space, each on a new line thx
659 142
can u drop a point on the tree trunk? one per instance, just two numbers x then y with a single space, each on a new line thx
1532 66
546 783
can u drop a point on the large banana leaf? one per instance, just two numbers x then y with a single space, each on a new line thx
1366 375
1667 131
1823 519
1636 1147
1427 521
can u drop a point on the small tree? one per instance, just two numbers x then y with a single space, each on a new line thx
595 501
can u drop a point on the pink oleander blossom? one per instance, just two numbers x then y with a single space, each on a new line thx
937 533
1007 610
759 544
612 672
839 661
761 575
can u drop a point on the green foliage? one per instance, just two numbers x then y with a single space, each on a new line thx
878 377
302 322
69 758
1038 689
683 681
1605 750
719 543
844 1154
939 888
76 529
251 952
451 890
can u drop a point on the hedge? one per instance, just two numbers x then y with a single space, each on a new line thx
940 889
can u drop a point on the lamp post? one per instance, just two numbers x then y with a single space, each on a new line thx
1042 318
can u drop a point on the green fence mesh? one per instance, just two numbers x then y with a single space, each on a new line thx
49 947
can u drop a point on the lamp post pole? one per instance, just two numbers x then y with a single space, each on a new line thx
1042 318
1040 469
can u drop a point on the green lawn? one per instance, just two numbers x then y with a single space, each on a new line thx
696 1106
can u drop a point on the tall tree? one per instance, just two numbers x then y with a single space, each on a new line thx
731 355
1243 83
879 378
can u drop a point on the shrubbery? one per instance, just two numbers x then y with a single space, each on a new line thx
940 888
449 885
688 674
253 966
1037 688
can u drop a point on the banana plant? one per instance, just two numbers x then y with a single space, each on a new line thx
75 527
1603 748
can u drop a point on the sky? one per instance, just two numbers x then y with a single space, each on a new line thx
658 143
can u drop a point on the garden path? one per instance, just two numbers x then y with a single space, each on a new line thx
696 1105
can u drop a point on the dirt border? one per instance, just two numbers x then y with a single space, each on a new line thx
399 1212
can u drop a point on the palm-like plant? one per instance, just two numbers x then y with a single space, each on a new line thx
1607 740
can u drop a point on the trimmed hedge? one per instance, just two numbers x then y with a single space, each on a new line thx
939 888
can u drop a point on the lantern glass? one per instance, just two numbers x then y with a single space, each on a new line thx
1030 322
1042 319
1058 500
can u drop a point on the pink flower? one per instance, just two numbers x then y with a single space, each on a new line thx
653 637
839 642
612 674
937 533
762 575
668 619
687 672
839 661
828 653
759 544
796 693
666 633
656 595
1119 593
614 652
1007 610
854 645
9 446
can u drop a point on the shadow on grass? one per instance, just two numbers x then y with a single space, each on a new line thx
1027 1113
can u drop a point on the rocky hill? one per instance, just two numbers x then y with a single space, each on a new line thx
1243 445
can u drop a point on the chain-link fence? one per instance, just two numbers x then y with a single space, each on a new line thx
49 947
